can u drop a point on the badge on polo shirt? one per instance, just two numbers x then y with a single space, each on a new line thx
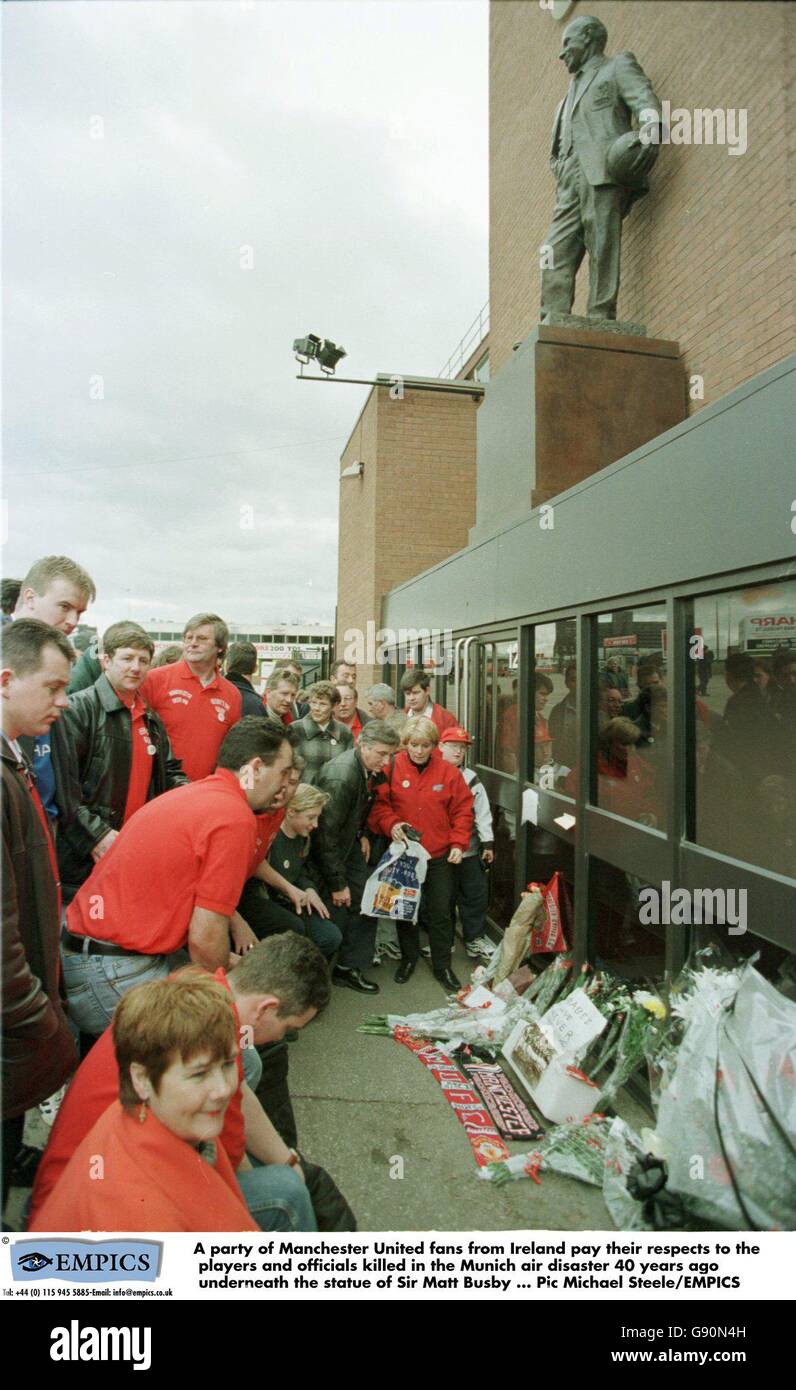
285 863
439 786
150 747
406 782
333 740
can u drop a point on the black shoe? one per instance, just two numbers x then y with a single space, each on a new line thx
448 980
405 971
291 1035
354 979
25 1166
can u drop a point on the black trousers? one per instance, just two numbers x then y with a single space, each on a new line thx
435 916
358 932
470 895
267 917
12 1140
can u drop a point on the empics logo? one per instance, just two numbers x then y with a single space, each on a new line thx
76 1343
34 1262
87 1261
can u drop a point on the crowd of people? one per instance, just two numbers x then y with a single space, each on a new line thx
184 859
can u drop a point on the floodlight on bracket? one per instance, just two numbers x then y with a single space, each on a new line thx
327 354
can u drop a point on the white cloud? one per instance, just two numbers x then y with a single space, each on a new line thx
346 144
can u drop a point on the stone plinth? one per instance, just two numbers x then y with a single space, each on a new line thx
568 403
622 326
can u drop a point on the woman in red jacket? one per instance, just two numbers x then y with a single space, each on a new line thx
425 792
152 1162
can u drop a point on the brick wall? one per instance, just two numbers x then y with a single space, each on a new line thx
414 505
707 254
356 562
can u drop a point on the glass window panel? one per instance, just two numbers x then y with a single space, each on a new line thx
502 893
624 945
506 683
632 714
743 681
553 750
486 663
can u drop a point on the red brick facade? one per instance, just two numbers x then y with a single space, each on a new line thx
413 505
707 256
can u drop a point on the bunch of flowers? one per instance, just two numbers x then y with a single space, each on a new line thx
575 1149
457 1025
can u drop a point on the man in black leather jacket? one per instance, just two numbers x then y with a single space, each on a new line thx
38 1051
114 756
339 852
241 666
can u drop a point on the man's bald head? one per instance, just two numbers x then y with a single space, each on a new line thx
581 39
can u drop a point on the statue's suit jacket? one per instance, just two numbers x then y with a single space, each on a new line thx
615 91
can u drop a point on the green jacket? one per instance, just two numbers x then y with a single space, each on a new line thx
319 746
85 671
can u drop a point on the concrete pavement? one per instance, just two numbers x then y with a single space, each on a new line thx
364 1102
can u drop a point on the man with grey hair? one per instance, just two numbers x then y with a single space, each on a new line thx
600 164
196 703
380 701
341 850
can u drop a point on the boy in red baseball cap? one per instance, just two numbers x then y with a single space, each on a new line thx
471 892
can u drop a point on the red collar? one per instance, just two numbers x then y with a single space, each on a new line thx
229 779
185 673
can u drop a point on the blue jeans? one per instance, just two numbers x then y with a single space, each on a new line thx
277 1198
95 984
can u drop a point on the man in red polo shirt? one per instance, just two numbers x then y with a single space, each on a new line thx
197 705
173 878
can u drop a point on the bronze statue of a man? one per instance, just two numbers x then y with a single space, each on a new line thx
601 164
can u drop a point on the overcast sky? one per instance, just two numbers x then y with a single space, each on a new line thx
149 384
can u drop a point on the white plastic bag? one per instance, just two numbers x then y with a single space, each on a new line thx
727 1117
393 889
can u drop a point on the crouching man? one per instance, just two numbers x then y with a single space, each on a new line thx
173 878
281 984
340 850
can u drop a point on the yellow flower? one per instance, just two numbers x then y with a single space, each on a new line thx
651 1003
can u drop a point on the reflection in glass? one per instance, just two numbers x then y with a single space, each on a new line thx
743 682
624 945
542 741
502 900
632 714
553 751
485 704
506 689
